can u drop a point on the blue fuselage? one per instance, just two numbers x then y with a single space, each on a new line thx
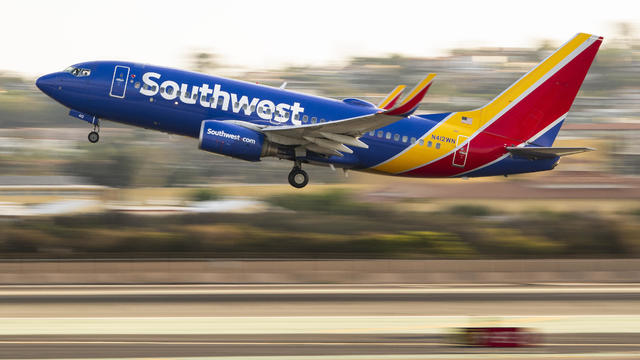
98 94
177 102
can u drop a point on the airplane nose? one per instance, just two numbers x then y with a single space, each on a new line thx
47 83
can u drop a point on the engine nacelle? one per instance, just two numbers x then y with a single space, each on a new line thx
232 140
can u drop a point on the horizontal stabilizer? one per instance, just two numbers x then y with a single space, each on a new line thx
545 152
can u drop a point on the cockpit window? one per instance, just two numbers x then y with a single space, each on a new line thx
79 72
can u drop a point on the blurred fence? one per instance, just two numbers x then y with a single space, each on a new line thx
319 271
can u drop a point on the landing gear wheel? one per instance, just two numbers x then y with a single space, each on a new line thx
298 178
93 137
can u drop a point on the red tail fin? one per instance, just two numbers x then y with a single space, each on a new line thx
544 95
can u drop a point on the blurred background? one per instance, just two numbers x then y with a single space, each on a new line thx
141 195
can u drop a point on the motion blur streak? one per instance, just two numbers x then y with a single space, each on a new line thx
304 320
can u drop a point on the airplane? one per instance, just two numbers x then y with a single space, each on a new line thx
511 134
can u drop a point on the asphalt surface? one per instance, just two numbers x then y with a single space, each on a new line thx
57 347
280 321
52 347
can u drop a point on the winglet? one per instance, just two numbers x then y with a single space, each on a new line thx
391 99
410 103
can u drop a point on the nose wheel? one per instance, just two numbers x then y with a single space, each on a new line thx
94 136
298 178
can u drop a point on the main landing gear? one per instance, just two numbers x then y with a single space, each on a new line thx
94 136
298 178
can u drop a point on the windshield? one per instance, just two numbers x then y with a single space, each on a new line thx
79 72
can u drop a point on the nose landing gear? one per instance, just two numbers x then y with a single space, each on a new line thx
298 178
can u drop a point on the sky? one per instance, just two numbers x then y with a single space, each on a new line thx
38 37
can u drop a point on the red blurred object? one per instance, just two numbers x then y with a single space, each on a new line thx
497 337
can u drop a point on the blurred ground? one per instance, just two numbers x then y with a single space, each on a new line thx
265 322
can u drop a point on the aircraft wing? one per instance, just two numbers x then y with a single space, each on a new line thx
535 152
332 138
329 138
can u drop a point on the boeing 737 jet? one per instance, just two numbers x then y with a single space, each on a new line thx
511 134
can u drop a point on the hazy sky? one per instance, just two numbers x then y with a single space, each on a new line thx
45 36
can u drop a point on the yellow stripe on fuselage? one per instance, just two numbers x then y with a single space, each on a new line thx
417 155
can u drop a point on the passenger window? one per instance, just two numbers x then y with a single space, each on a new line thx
372 133
322 120
380 132
195 96
314 120
137 85
421 142
388 136
220 102
297 117
145 86
153 88
429 143
187 95
396 137
305 119
286 115
413 140
438 145
253 108
404 139
162 90
178 93
203 98
268 111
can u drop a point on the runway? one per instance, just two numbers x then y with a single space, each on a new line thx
335 346
298 322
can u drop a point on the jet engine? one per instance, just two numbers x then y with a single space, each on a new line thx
235 141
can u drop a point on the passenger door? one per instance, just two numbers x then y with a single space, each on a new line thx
119 82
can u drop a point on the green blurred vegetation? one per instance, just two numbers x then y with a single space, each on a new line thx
338 202
204 195
332 224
